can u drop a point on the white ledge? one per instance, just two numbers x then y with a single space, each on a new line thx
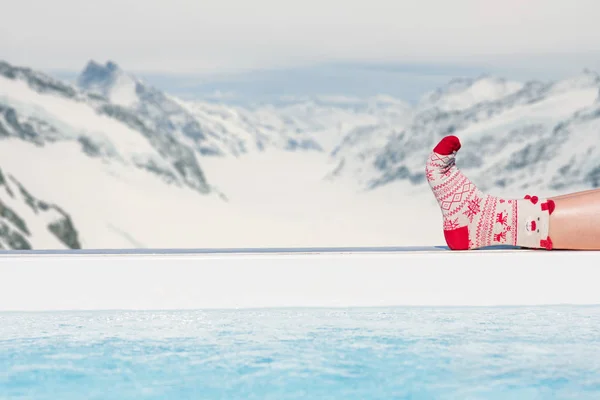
256 278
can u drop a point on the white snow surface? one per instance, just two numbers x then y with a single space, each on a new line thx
123 92
74 118
114 206
461 94
36 221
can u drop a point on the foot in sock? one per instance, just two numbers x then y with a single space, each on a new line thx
473 219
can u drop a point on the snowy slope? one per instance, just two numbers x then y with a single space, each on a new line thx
294 123
120 178
27 222
333 117
212 129
41 110
541 137
253 132
464 93
355 152
117 206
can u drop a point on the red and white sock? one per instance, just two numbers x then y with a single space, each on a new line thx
473 219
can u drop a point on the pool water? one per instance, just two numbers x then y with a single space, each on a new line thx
364 353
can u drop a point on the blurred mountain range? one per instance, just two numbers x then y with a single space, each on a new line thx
111 161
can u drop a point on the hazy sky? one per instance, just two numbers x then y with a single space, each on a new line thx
199 35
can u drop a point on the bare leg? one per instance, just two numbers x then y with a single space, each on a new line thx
575 222
584 192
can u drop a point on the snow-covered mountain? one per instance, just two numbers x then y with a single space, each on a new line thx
317 123
535 136
464 93
125 161
27 222
37 108
111 161
211 129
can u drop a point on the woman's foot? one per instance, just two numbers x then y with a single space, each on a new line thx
473 219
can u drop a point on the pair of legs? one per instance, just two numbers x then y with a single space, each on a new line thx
473 219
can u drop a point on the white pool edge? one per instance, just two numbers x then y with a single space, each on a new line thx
179 280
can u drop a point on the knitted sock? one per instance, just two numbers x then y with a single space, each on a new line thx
473 219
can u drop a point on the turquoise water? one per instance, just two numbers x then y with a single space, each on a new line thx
397 353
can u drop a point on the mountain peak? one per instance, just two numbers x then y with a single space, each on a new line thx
586 79
463 93
95 74
111 65
38 81
110 81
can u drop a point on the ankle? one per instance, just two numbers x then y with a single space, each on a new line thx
534 222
